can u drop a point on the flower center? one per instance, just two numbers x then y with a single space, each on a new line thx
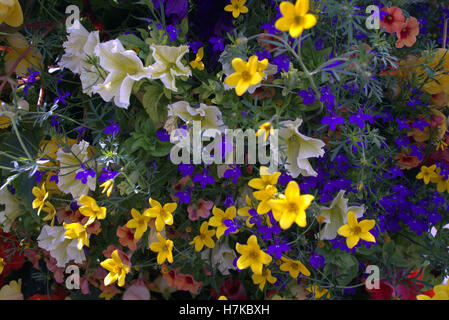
246 76
292 207
389 18
254 255
357 230
298 20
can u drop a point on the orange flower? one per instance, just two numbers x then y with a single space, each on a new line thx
186 282
203 210
126 237
407 162
393 20
407 33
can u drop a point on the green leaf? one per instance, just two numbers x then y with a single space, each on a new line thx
153 105
130 41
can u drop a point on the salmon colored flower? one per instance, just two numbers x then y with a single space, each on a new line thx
407 33
186 282
126 237
202 210
393 20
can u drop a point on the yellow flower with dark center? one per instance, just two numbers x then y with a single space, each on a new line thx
291 207
91 209
252 256
77 231
246 73
19 45
317 292
138 222
262 278
197 63
295 17
107 186
354 231
41 195
117 270
427 173
163 215
218 218
163 248
204 238
11 13
265 129
265 179
236 7
294 267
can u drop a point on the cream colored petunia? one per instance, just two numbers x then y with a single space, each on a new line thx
168 65
124 67
12 210
11 13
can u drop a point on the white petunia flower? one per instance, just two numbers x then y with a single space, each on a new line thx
210 116
70 165
79 45
222 257
298 148
11 211
168 64
63 250
336 215
124 67
90 77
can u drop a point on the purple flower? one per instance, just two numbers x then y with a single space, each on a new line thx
316 260
54 122
229 201
278 248
359 119
55 177
80 131
402 141
186 169
328 98
38 176
217 43
282 62
30 80
113 128
163 135
61 97
172 31
184 196
333 121
284 178
204 178
233 172
263 55
255 217
232 225
308 96
107 175
194 46
270 28
420 124
83 175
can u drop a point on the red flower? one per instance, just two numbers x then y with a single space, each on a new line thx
8 245
407 33
231 289
393 20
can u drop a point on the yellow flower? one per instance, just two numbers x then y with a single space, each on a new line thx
294 267
219 216
51 212
295 17
222 298
441 182
441 293
77 231
163 248
236 7
163 215
5 119
197 63
204 239
2 265
138 222
441 145
31 60
427 173
354 231
262 278
117 270
264 196
246 74
91 209
107 186
12 291
266 129
11 13
265 179
317 291
244 211
41 195
291 207
252 256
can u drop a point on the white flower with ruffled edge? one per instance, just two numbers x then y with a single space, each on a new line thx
168 65
298 148
210 116
11 211
79 46
124 67
63 250
70 165
222 257
337 215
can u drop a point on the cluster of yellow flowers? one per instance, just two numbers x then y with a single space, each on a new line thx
432 174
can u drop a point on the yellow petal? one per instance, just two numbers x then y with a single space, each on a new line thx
302 7
239 65
295 31
283 24
292 191
309 20
233 79
287 8
352 241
